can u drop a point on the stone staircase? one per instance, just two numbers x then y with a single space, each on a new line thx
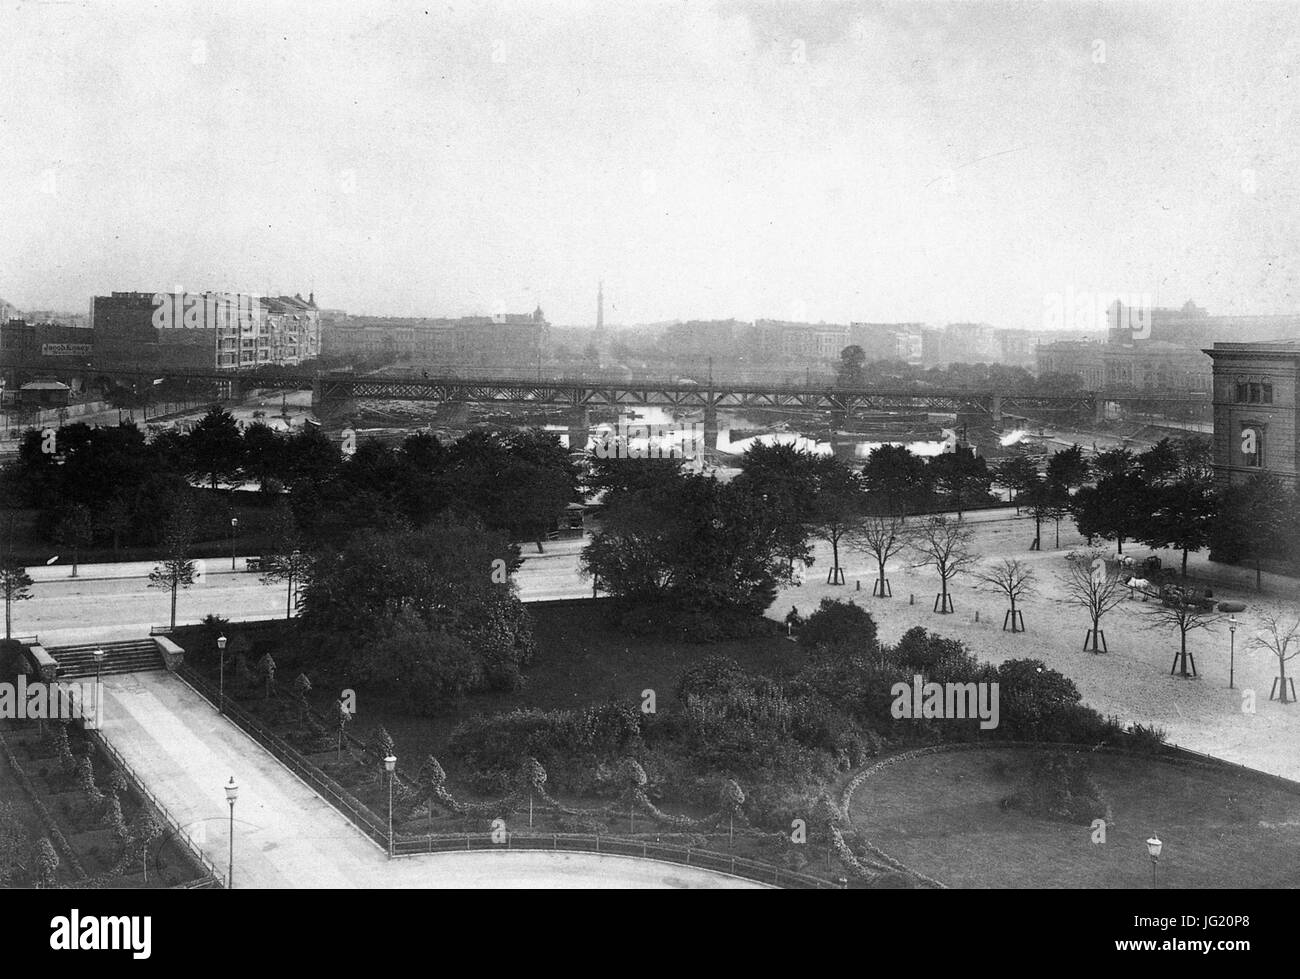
128 656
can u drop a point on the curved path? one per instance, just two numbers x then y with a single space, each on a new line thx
287 836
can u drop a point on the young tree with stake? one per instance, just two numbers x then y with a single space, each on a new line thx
1282 639
944 544
1014 579
176 571
1180 610
1090 585
15 585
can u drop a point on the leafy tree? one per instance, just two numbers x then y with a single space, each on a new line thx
1185 511
289 561
961 476
116 519
894 477
264 454
176 570
1091 585
1068 468
944 544
1016 473
75 530
837 509
1117 508
15 585
849 373
216 448
1256 520
786 478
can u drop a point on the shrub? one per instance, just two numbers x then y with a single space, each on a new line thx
1059 786
841 627
1149 740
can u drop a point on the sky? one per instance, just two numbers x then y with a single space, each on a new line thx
815 161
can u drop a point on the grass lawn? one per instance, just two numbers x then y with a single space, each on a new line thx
939 815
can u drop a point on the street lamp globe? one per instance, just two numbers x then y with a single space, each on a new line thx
390 764
99 656
221 643
1153 847
232 791
1232 623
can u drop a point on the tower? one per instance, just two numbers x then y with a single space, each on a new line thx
600 305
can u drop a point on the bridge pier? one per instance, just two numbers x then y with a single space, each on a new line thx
711 427
995 411
579 429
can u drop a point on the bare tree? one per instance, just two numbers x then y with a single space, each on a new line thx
1282 639
290 563
1092 586
1179 609
944 544
1014 579
884 536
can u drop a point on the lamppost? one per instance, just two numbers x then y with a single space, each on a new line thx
232 793
234 524
1232 646
390 766
99 672
221 695
1153 848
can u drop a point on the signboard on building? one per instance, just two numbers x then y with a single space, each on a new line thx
65 349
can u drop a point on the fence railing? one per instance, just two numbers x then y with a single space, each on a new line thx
362 817
212 874
376 828
711 860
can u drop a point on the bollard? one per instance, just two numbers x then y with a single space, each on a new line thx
911 600
977 616
859 583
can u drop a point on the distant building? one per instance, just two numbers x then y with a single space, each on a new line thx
507 340
804 344
1152 366
202 331
888 341
1256 409
35 350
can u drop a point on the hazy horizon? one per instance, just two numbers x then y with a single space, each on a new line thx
824 162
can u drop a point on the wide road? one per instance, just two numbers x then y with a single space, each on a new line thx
286 836
114 601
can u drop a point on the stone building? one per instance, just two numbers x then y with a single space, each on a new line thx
1256 409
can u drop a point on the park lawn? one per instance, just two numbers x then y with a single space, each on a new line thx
940 815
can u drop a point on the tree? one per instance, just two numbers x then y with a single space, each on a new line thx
826 816
1256 521
216 449
1179 609
786 479
75 530
15 584
263 452
1282 639
176 570
840 627
1184 517
1118 508
147 829
944 544
884 536
1068 468
1015 473
117 519
849 374
1092 586
894 478
289 562
1014 579
837 509
961 476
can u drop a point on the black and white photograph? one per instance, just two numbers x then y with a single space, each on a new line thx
641 445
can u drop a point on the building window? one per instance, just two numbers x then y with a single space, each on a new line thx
1266 393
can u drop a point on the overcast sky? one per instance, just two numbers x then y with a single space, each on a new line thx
833 161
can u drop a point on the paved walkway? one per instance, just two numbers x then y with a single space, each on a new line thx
286 836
